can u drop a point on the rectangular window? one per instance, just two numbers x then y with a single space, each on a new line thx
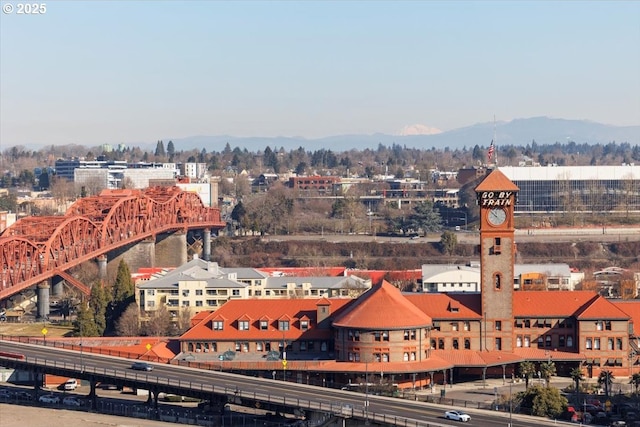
198 303
199 292
243 325
454 326
264 325
436 325
598 326
547 341
498 344
527 341
596 344
519 341
283 325
467 325
498 325
607 325
618 343
304 325
217 325
440 344
236 292
587 344
540 341
561 342
385 336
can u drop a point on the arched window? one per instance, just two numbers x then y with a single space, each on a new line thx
497 280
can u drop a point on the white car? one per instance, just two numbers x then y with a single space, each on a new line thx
70 384
49 398
457 416
71 401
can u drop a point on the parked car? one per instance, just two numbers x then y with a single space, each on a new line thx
70 384
141 366
71 401
457 416
49 398
5 394
23 395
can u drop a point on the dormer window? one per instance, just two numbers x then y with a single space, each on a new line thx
283 325
304 325
217 325
243 325
264 325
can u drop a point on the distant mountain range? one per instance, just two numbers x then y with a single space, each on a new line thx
543 130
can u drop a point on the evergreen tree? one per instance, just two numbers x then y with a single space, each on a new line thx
122 295
84 326
448 242
171 150
543 401
98 303
160 149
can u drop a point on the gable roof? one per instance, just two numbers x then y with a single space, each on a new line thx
601 308
563 304
496 181
272 311
443 306
382 306
632 309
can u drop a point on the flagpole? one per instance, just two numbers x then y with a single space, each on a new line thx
495 140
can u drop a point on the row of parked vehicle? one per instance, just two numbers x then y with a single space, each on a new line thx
7 395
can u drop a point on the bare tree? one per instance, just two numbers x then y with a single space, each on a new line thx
128 325
159 323
184 320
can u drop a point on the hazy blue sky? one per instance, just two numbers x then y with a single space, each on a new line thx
92 72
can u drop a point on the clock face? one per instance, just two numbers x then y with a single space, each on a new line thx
497 216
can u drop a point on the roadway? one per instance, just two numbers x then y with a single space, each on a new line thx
243 390
587 234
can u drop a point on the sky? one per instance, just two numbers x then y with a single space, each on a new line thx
109 72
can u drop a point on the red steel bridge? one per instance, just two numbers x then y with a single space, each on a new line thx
38 248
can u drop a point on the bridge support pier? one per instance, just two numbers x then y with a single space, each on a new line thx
93 396
57 286
102 266
43 300
206 250
171 249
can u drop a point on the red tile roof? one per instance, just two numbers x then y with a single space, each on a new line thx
532 353
271 310
550 304
476 358
601 308
632 309
582 304
496 181
434 363
443 306
382 306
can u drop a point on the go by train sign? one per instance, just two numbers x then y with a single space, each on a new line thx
496 198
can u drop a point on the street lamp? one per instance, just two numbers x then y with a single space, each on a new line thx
510 401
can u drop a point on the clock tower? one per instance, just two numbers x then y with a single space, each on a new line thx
497 198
